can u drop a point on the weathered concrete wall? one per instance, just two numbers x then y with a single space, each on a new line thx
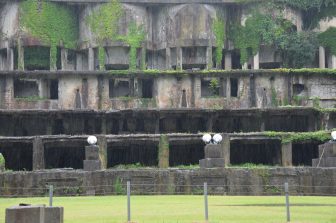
230 181
260 90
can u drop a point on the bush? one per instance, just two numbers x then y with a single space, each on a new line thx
2 162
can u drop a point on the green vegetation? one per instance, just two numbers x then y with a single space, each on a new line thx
186 209
37 58
218 28
327 39
118 187
250 166
214 87
2 162
50 22
286 137
104 23
163 156
129 166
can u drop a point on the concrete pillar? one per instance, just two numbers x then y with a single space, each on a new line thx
102 143
143 58
245 66
209 57
163 151
91 59
228 60
79 62
256 62
64 58
228 88
333 61
226 149
179 58
38 154
322 57
10 58
286 154
20 48
168 58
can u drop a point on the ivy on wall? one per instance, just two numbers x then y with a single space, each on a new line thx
218 28
49 22
104 23
327 39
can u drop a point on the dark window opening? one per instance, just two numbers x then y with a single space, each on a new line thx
264 152
234 87
64 156
186 153
288 123
119 88
144 153
236 59
298 88
37 58
25 88
147 88
53 90
18 156
168 125
113 125
57 127
232 124
270 65
3 59
210 87
302 154
140 125
193 58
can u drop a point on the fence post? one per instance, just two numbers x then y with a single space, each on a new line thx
51 194
128 201
206 214
287 202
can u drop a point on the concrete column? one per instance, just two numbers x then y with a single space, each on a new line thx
179 58
256 62
64 58
102 143
38 154
228 88
333 61
91 59
209 57
286 154
143 58
163 152
168 58
228 60
226 149
10 58
245 66
322 57
79 62
20 55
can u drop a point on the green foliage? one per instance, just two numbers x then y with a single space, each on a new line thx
286 137
274 98
50 22
2 162
118 186
129 166
327 39
214 86
163 156
134 38
218 28
250 166
299 49
316 102
104 21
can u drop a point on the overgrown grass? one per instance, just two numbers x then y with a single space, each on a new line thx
187 209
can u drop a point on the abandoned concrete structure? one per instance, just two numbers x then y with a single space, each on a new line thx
171 70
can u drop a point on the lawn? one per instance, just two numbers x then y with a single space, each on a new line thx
157 209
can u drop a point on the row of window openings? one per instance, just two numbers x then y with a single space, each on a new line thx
217 87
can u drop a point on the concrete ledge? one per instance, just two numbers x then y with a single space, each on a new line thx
92 165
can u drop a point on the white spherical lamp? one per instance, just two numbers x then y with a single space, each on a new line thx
92 140
333 135
206 138
217 138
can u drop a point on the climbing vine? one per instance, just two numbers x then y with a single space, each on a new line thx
327 39
50 22
104 23
218 28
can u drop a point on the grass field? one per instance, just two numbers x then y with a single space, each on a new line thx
173 209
